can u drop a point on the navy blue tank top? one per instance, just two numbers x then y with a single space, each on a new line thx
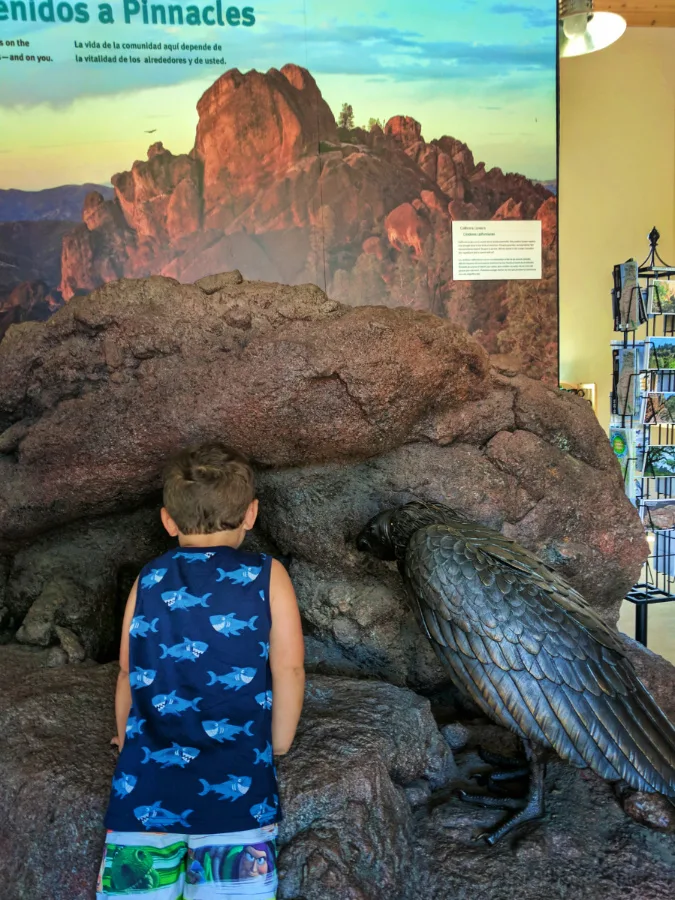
197 755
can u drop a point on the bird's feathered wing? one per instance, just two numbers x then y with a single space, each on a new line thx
534 656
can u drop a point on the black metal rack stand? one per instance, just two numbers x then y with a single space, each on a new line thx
657 584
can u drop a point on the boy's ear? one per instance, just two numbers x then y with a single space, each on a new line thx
251 515
169 523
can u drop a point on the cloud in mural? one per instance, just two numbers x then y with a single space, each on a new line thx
375 48
534 16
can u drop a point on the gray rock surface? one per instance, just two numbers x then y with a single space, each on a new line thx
365 791
78 578
93 401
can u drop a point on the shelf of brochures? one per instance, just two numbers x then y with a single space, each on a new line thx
642 424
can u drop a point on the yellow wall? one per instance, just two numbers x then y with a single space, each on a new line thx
617 180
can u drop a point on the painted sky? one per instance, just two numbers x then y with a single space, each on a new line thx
479 70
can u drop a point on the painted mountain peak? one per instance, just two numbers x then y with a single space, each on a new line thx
274 188
57 204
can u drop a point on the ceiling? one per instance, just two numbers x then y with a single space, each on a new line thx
641 13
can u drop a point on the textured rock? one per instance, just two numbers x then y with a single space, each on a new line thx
71 586
655 672
114 382
70 644
651 810
546 502
364 791
94 400
55 730
356 743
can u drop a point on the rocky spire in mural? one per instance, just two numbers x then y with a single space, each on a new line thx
275 188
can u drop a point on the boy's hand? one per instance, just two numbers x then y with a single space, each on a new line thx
116 742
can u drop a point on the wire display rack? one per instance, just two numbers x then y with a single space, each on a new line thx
642 424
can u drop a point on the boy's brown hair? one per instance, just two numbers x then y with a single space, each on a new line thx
208 488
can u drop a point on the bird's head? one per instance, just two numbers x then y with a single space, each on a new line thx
377 536
386 535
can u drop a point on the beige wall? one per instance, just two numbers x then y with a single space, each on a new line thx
617 180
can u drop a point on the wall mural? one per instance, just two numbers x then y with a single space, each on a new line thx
295 143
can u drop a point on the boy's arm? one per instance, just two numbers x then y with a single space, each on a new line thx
123 692
287 660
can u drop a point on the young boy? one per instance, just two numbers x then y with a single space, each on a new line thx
211 634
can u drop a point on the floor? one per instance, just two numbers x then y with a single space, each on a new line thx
660 627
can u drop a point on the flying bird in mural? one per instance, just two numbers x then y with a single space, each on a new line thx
152 131
529 651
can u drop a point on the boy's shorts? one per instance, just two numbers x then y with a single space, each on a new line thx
160 866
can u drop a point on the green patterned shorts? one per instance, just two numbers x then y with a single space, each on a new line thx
160 866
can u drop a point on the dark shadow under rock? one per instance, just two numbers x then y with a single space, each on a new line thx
79 577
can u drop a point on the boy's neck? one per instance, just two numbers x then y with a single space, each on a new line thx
232 539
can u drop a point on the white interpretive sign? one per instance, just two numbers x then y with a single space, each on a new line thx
496 251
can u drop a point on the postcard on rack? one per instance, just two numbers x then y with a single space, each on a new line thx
627 365
622 442
660 461
663 557
661 297
659 514
629 307
660 353
659 409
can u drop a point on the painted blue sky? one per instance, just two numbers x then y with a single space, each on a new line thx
480 70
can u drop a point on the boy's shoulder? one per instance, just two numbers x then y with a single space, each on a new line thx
213 555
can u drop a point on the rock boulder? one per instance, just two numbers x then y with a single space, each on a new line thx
345 410
365 791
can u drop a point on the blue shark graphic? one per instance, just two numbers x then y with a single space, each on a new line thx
261 594
157 818
195 873
265 756
263 812
188 650
155 576
142 677
134 726
229 625
236 679
124 785
180 599
232 789
193 557
140 628
264 650
173 705
243 575
264 699
222 731
175 755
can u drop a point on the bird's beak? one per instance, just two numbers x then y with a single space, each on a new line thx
362 543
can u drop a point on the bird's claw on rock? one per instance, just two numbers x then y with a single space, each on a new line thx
488 802
500 761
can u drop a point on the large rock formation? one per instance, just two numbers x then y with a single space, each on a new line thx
273 188
366 793
346 410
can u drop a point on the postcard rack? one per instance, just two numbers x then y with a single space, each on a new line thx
642 425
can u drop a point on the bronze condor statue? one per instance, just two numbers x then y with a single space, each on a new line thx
529 651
